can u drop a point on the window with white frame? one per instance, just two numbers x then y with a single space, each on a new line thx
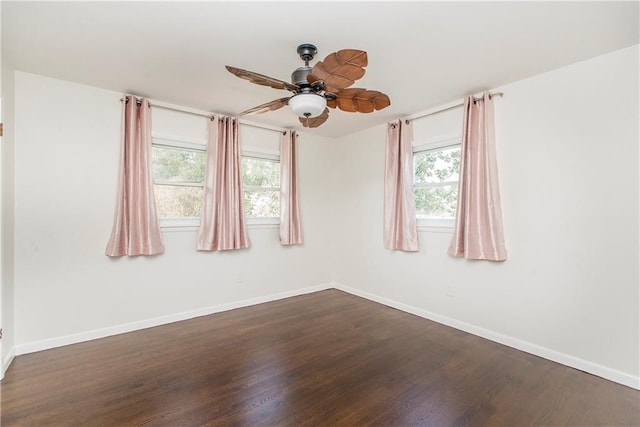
178 181
261 186
436 167
179 153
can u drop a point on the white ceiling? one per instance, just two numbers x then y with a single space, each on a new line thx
422 54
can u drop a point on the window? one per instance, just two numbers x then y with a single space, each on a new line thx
436 168
179 156
261 185
178 181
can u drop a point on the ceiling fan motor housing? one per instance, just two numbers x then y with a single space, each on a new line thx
299 76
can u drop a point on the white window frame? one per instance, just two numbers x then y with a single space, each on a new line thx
267 222
444 142
192 144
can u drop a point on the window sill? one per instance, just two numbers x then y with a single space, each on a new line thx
435 229
182 224
259 223
179 229
262 225
436 225
190 225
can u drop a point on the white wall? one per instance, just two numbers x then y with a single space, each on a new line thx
7 217
567 145
66 164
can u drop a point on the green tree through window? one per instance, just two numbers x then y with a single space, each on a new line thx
178 176
436 182
261 185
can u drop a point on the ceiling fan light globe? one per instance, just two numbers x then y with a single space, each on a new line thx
307 105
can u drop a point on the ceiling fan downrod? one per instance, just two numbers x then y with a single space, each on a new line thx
307 51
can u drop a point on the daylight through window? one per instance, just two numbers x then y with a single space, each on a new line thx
178 181
261 185
436 183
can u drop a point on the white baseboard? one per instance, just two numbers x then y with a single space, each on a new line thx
7 361
46 344
562 358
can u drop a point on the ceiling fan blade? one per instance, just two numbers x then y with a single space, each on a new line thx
340 69
269 106
361 100
261 79
314 122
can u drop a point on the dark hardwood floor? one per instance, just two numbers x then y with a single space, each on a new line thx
323 359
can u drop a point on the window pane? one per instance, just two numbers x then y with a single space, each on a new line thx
178 202
260 172
436 202
178 164
437 165
262 203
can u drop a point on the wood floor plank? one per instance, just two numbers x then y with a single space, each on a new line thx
322 359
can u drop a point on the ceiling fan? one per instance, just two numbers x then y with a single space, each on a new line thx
327 84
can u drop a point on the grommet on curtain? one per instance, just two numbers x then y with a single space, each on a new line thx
284 132
138 101
212 118
406 122
393 125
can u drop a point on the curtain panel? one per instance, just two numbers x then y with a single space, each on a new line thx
478 230
290 223
222 226
136 230
400 230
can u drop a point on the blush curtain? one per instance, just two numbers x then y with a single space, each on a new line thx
136 230
400 230
222 226
290 223
478 227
